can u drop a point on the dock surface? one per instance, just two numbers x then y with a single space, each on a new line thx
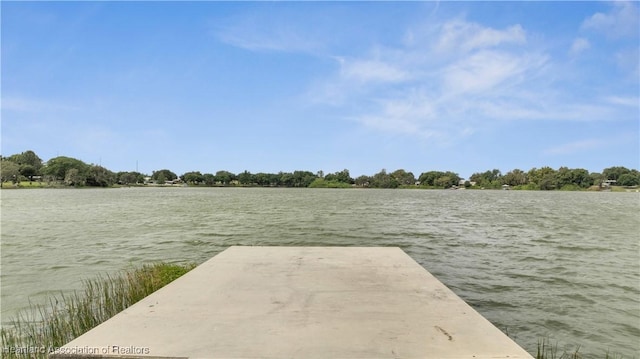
300 302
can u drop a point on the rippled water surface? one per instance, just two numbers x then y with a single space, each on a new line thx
559 264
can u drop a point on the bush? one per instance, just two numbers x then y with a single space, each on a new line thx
322 183
571 187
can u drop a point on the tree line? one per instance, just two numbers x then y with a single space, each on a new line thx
68 171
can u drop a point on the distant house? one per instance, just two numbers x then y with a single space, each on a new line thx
505 187
609 183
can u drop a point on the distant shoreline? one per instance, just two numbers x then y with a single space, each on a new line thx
26 169
43 185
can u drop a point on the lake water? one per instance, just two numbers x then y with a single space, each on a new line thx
560 264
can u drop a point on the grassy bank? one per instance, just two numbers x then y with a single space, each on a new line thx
36 331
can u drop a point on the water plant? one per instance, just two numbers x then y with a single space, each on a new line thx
40 329
546 350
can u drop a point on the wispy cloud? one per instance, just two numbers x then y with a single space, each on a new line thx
574 147
622 20
256 39
443 81
624 101
466 36
628 60
427 96
265 31
579 45
371 71
488 71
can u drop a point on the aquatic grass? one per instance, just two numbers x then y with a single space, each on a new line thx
36 331
546 350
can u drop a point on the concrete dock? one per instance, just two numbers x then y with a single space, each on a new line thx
300 302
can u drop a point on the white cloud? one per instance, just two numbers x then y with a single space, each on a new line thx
466 36
624 101
266 32
622 20
629 61
407 115
575 147
486 70
371 70
579 45
411 90
258 40
443 82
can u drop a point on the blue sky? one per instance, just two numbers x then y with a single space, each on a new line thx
270 86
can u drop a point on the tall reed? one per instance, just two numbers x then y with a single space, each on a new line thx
546 350
34 332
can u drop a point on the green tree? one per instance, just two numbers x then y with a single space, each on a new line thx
488 179
613 173
285 179
161 176
262 179
245 178
383 180
27 159
564 177
581 177
9 171
542 178
225 177
548 182
515 177
161 179
73 177
596 178
428 179
439 179
363 181
340 176
194 177
628 179
272 179
209 179
403 177
28 171
129 177
58 167
450 179
100 177
303 178
444 181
